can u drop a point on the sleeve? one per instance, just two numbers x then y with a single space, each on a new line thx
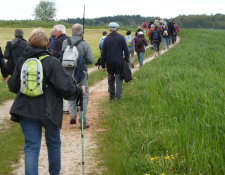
6 53
160 39
145 42
88 56
63 83
3 67
126 53
14 80
149 32
57 47
103 54
133 41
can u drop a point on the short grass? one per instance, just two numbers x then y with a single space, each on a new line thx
11 145
171 118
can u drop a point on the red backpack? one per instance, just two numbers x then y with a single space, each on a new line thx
160 27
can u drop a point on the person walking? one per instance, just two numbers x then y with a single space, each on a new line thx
156 40
113 49
138 30
166 38
85 51
14 50
140 42
104 33
60 35
176 31
130 46
144 25
51 40
3 67
172 31
45 110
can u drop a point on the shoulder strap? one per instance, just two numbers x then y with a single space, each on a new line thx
78 42
42 57
69 42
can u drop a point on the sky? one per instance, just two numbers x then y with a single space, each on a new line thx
23 9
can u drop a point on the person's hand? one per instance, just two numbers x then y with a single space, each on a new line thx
4 79
83 88
103 69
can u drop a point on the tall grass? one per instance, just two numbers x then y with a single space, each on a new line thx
171 118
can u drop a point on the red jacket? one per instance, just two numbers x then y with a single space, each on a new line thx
143 25
145 43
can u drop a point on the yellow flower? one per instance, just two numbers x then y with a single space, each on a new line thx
152 159
163 173
98 162
147 174
146 155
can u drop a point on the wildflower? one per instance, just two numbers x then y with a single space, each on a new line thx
146 155
98 162
147 174
163 173
152 159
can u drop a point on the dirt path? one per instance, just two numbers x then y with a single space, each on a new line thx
71 136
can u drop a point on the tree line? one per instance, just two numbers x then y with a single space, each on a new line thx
216 21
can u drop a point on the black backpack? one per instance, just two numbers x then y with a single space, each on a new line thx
155 35
139 42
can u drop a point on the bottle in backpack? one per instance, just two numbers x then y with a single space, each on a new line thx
32 77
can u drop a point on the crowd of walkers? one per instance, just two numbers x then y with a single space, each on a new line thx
60 91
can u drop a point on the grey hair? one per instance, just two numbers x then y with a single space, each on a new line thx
52 31
113 29
61 28
77 29
18 33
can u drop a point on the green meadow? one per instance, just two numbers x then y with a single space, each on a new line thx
172 116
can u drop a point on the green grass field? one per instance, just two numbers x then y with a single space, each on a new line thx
171 118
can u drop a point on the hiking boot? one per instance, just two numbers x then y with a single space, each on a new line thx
168 47
155 55
85 125
132 65
164 47
73 119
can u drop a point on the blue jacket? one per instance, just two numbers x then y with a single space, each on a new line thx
52 42
132 46
112 50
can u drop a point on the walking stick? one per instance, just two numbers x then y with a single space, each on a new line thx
82 131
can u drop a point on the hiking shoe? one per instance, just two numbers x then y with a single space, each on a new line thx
73 119
85 125
155 55
164 48
132 65
168 47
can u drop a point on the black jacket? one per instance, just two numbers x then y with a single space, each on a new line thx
17 48
112 50
50 104
171 28
136 33
3 67
58 45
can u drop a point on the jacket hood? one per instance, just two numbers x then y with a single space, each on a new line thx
140 35
35 52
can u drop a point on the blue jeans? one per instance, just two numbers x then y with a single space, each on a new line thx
140 57
166 41
32 130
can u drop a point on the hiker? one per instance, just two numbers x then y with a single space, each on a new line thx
166 38
51 40
160 28
130 46
104 33
45 110
144 25
60 35
150 31
3 67
172 31
112 56
85 51
156 39
138 30
140 42
14 50
176 30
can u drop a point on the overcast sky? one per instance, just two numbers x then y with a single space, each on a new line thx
23 9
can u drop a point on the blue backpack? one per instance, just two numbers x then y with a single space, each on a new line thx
155 35
101 42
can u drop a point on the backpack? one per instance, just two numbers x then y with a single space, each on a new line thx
101 42
155 35
165 33
71 54
129 44
145 25
139 42
32 77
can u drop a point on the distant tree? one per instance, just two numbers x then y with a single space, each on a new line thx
45 10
